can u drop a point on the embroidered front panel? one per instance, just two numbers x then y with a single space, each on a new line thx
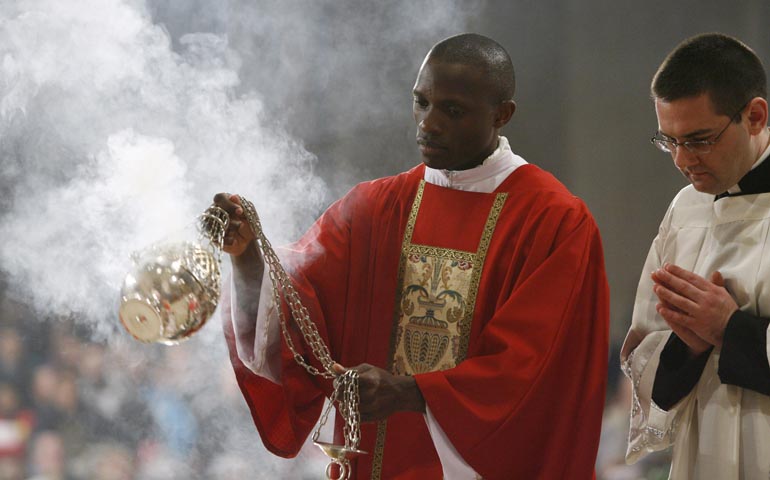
433 307
436 298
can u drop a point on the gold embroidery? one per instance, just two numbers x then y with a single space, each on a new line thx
434 305
413 216
379 450
444 252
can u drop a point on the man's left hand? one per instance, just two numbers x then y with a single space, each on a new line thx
382 394
689 300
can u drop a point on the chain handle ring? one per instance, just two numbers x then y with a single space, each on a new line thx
212 225
344 469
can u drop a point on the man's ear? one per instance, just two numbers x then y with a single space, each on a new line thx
505 112
757 115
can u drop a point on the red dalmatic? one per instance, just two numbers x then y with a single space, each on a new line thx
497 303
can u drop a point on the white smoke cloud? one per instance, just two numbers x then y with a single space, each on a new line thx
112 140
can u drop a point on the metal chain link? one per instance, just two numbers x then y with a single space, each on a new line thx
345 385
349 382
212 224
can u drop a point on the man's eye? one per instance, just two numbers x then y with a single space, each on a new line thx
455 111
421 102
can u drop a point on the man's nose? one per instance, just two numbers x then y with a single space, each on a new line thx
429 122
683 157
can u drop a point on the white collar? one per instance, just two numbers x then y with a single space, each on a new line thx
484 178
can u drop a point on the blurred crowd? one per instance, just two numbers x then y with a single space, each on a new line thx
75 408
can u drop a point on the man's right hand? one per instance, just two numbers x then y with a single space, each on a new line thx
696 309
238 235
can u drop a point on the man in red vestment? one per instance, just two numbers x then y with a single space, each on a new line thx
469 293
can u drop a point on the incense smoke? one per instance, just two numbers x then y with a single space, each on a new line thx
111 140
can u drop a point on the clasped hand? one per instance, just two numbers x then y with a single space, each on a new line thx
382 394
238 235
696 309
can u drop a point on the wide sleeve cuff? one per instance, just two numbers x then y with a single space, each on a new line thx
677 374
258 340
744 358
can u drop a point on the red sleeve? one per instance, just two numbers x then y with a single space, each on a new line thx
285 414
528 400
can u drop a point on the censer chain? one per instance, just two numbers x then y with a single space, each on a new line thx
345 385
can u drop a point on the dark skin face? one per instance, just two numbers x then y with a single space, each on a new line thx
458 120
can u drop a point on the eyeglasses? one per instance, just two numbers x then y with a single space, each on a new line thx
698 147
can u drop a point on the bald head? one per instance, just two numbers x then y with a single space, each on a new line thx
480 52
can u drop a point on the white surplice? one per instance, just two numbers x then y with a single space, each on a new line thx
719 431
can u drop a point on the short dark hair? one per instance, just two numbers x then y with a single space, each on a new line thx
714 63
482 52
